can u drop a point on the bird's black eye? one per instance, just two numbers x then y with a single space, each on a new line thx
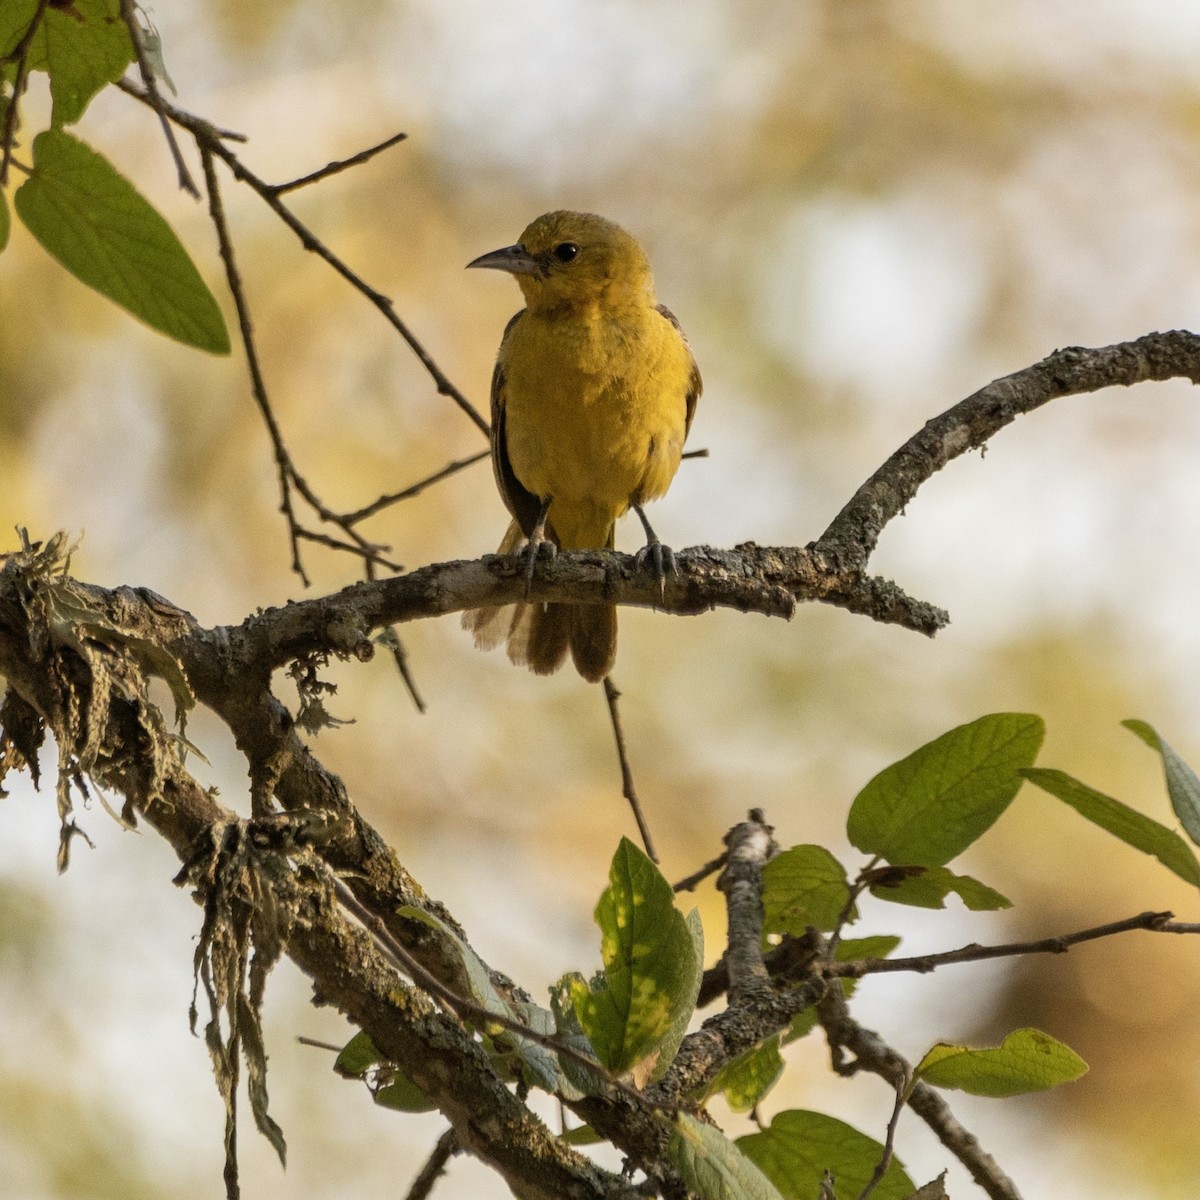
565 251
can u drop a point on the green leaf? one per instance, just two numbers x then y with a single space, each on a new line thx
358 1056
633 1014
395 1090
581 1135
750 1076
929 807
1183 786
1027 1061
403 1095
798 1147
928 887
15 16
935 1189
878 946
97 225
804 886
1132 827
805 1021
539 1066
690 979
714 1167
84 49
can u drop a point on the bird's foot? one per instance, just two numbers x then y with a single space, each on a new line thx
538 546
661 560
661 557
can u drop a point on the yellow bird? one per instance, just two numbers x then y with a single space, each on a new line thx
593 394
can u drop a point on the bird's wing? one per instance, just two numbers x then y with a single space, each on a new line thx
522 503
695 384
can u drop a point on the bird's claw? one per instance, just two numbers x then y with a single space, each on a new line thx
662 559
538 547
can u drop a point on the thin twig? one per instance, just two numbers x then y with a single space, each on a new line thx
690 882
462 1006
258 384
889 1141
203 133
431 1172
400 657
317 1044
856 889
611 696
155 100
1153 921
415 489
21 54
340 165
367 551
289 477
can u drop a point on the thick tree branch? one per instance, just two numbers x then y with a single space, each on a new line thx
750 847
62 679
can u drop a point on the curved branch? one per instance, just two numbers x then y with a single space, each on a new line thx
851 538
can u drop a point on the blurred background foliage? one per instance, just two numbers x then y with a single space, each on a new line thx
861 210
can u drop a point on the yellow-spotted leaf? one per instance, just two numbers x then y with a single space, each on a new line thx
635 1011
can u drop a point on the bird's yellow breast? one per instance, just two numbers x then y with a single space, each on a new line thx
595 412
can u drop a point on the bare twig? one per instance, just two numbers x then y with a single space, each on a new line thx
1153 921
289 477
431 1172
340 165
690 882
628 790
258 384
400 657
415 489
203 132
857 888
154 98
889 1141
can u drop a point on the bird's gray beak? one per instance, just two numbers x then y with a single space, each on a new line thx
516 260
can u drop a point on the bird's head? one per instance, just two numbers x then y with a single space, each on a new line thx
570 259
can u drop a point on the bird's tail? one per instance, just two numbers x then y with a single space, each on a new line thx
539 636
